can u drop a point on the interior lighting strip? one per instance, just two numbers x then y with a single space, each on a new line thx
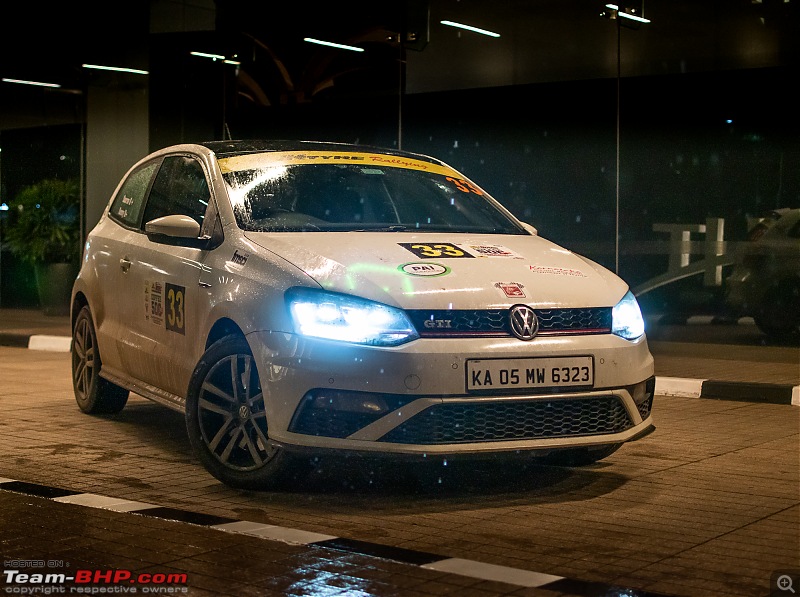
470 28
320 42
207 55
216 57
37 83
625 15
119 69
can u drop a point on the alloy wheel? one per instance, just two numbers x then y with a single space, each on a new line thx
83 352
233 422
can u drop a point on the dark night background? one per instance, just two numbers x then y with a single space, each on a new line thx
706 96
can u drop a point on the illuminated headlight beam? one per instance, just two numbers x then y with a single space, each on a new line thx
333 316
321 42
470 28
625 15
626 318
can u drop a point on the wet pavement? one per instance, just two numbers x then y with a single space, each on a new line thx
709 504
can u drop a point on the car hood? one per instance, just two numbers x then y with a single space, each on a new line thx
447 271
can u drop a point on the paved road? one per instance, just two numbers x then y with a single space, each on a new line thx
707 505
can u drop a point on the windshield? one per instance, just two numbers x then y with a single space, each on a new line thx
290 197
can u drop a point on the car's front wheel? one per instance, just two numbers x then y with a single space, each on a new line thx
226 418
93 394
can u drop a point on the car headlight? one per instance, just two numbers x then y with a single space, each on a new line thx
627 318
347 318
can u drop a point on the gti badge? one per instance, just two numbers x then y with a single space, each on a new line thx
438 323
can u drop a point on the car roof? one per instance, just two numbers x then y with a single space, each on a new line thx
239 147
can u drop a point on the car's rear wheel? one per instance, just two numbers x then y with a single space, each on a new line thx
93 394
779 314
226 418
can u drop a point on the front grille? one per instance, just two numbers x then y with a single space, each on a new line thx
645 407
574 320
512 420
440 323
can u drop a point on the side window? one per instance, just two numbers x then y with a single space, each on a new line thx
127 205
180 188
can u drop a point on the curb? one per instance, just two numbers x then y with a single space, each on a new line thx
52 343
766 393
683 319
36 341
458 566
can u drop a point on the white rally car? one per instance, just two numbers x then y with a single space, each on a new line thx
297 297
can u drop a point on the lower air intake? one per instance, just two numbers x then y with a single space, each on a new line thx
513 420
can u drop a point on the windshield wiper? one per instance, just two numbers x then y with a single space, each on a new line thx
392 228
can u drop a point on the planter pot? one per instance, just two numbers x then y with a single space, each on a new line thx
54 283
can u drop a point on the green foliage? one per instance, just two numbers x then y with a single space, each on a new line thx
44 226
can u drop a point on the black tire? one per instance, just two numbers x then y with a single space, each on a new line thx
779 314
226 419
93 394
582 456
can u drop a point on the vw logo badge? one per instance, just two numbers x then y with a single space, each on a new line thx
524 323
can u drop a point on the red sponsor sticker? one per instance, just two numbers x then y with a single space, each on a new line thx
511 289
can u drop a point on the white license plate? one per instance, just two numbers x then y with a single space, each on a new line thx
547 372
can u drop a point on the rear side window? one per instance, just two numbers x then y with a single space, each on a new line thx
180 188
127 205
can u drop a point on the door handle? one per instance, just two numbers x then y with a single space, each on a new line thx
125 264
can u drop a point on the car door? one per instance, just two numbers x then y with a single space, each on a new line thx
160 336
114 239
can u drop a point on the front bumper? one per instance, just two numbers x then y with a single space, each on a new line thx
412 399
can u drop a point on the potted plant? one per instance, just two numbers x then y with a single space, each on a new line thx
44 231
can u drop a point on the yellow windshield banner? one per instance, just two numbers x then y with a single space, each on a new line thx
259 161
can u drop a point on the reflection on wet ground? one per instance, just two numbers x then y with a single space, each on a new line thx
346 483
707 505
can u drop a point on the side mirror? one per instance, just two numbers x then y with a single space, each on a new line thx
173 226
530 229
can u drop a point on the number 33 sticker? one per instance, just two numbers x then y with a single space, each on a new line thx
464 186
433 251
175 319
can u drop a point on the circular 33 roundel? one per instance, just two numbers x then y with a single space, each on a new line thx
524 323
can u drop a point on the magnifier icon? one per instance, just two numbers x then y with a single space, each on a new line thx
784 583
